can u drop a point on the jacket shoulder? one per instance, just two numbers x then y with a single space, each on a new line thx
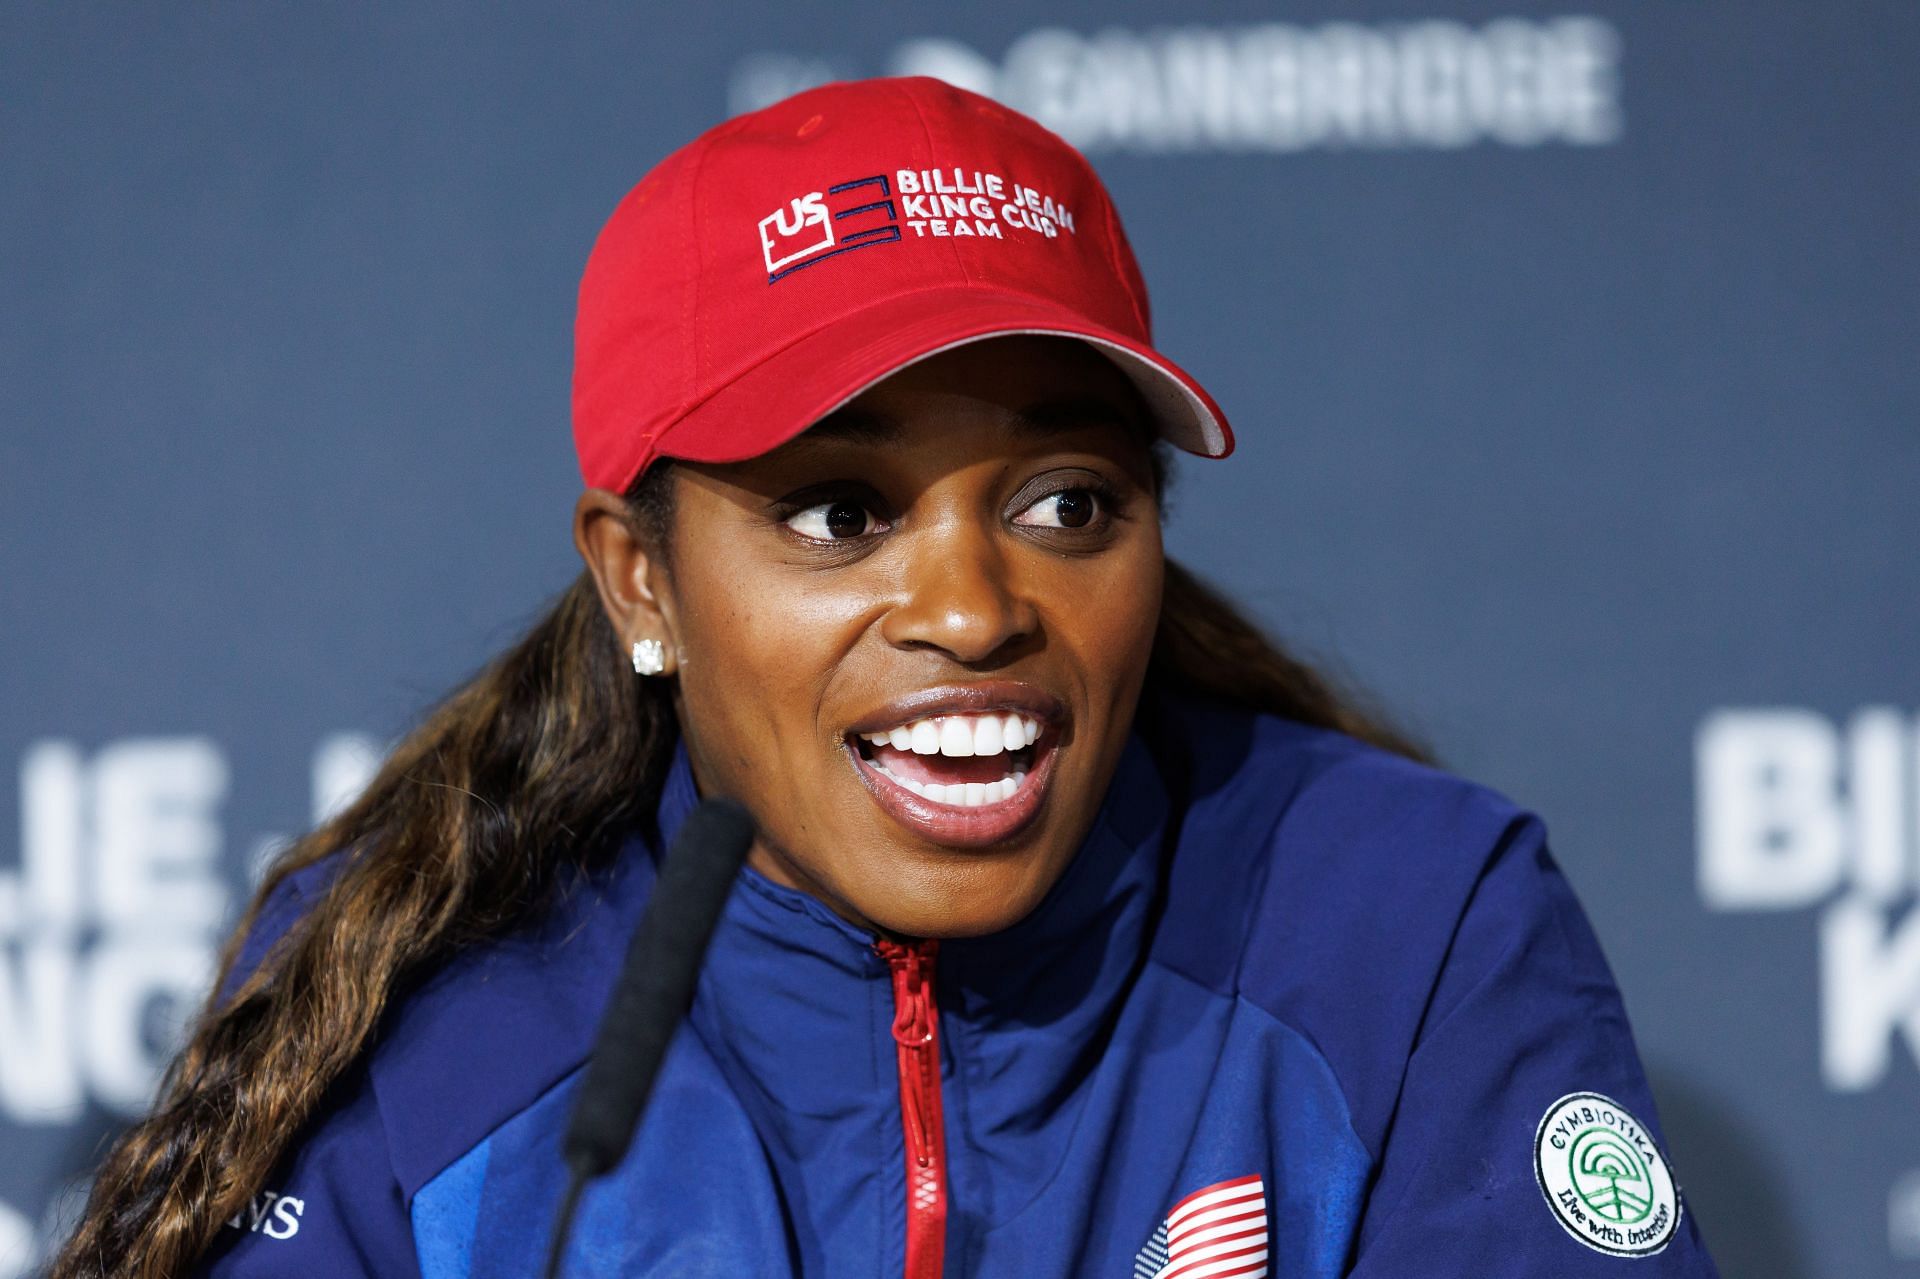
1324 880
483 1034
1318 835
501 1023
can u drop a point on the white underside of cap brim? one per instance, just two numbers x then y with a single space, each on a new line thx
1184 418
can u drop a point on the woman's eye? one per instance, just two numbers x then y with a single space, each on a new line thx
1067 508
833 521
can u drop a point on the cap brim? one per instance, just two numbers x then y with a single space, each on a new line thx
804 381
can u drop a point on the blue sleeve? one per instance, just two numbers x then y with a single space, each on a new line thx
1524 1140
334 1205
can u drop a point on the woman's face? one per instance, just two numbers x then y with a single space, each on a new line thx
912 639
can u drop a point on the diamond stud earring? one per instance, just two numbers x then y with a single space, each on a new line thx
649 657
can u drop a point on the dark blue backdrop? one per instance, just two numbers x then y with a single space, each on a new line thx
1571 352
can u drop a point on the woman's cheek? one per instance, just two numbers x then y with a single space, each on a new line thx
1110 612
759 660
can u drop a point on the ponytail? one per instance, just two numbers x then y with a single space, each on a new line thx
533 768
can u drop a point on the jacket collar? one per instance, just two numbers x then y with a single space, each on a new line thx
1102 899
797 1008
793 1004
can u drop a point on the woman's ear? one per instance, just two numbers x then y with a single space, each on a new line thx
630 576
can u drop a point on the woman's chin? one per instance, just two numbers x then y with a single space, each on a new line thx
970 900
950 925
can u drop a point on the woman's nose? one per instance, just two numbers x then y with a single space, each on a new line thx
960 595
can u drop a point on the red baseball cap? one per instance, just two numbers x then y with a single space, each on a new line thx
785 260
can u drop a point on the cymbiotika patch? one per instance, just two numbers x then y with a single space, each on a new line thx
1604 1178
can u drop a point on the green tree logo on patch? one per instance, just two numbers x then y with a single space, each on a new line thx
1610 1177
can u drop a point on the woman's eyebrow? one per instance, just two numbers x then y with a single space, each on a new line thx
852 425
1075 413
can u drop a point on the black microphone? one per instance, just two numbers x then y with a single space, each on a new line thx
653 994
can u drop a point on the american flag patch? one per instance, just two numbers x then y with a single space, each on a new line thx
1217 1232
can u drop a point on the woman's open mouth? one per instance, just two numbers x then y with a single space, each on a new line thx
966 779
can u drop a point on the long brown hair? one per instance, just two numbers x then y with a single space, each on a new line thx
524 775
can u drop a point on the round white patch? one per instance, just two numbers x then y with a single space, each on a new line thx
1604 1178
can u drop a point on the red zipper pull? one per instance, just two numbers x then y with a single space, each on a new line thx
916 1036
916 1024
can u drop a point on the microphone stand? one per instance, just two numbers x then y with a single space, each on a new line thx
652 995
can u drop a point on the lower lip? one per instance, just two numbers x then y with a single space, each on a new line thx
958 827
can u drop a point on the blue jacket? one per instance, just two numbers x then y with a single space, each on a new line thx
1298 1007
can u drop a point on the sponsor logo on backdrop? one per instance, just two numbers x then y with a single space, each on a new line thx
1270 87
16 1243
1903 1217
1797 812
111 922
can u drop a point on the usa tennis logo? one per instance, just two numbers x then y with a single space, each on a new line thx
1218 1231
821 224
937 204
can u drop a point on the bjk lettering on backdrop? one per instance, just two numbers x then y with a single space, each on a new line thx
113 917
1438 83
1798 812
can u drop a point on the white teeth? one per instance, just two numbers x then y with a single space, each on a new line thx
988 737
1012 735
960 736
962 794
956 737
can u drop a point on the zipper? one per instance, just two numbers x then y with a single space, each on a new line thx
916 1038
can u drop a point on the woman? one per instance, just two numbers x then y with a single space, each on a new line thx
1085 933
